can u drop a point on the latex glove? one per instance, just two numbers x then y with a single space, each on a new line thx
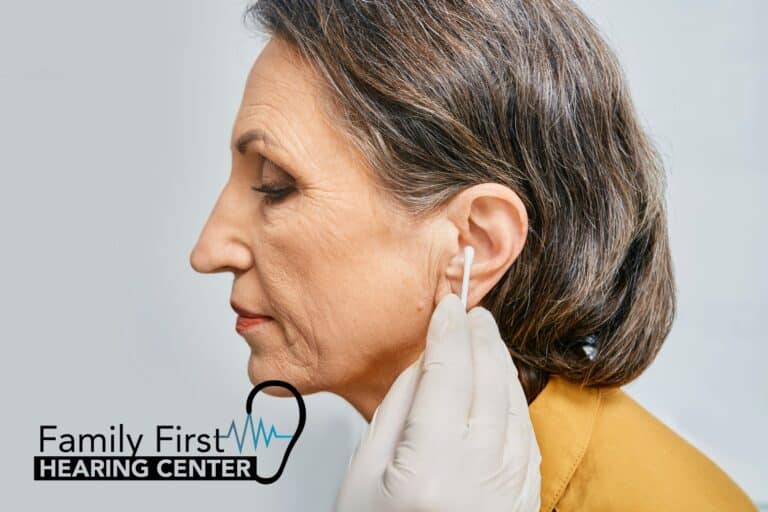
453 433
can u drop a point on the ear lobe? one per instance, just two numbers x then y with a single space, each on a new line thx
491 218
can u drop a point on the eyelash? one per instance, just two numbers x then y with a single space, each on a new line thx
273 195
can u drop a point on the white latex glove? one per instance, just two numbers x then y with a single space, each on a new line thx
453 433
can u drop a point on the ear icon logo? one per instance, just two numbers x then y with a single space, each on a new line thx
299 426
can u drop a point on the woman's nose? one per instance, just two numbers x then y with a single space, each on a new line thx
220 248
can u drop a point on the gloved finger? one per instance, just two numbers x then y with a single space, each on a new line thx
522 465
377 445
490 399
441 404
520 434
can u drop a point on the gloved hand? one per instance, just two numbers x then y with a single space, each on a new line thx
453 433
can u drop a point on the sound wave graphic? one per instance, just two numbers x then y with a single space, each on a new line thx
256 433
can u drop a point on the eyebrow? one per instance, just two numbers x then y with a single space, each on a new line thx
255 134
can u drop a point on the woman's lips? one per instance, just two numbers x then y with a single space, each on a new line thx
247 323
248 320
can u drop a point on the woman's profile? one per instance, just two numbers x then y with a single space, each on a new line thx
376 139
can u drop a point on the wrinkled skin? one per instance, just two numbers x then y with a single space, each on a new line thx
349 280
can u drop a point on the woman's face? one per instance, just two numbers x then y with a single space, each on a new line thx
348 281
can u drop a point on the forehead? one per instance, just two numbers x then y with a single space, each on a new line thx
280 72
284 97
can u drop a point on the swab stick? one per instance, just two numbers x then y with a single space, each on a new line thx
469 254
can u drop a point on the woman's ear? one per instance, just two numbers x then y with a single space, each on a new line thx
491 218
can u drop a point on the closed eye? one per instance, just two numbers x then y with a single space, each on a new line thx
272 194
278 186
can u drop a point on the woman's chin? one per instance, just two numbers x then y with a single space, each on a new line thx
277 392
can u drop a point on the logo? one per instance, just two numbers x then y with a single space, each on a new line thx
193 457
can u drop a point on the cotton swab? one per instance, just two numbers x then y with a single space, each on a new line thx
469 254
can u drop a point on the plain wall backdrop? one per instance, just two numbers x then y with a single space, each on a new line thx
115 120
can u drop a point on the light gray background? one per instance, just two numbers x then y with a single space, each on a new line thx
114 124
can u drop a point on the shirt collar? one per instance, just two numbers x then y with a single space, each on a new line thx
563 416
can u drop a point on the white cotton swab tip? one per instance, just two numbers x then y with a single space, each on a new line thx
469 255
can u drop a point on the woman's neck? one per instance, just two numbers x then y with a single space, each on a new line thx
367 393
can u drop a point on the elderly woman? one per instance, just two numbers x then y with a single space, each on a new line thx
375 140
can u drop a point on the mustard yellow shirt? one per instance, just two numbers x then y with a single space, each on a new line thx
602 451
